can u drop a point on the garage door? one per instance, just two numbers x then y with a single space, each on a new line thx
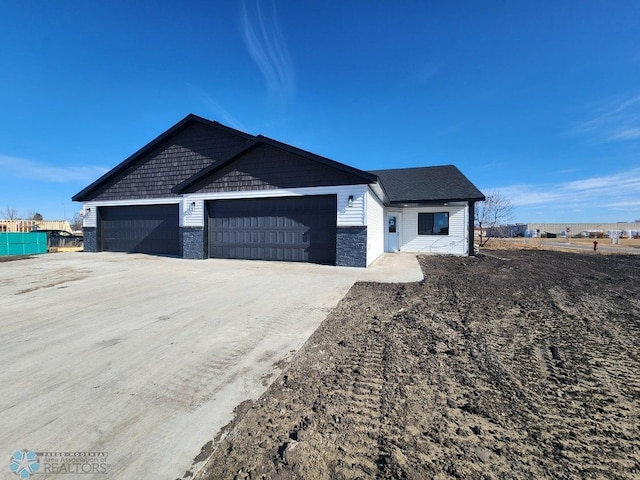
139 229
295 229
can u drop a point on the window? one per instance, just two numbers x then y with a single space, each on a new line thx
392 224
433 223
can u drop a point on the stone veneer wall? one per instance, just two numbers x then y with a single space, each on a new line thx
90 239
192 239
351 246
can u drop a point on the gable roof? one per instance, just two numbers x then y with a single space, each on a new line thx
406 185
427 184
183 187
128 162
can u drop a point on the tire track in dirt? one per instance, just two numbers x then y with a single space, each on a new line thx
486 369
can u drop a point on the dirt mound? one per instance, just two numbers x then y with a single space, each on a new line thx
489 368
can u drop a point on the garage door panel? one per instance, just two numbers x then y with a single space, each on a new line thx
291 229
151 229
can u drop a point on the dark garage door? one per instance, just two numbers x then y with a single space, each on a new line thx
139 229
298 229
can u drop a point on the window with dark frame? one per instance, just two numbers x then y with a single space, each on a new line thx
433 223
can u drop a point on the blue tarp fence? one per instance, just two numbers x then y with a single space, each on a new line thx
13 243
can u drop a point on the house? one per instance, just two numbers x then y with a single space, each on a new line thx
202 190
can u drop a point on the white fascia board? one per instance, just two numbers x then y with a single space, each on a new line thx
137 201
376 188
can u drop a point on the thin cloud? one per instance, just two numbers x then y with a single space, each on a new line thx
624 180
630 203
628 134
618 192
521 195
264 41
34 170
618 123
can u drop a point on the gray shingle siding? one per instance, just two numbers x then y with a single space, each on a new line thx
266 167
171 162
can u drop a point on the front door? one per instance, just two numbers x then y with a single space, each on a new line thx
393 232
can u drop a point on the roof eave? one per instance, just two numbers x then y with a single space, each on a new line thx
437 201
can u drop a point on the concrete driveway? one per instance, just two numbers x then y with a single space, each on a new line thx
144 358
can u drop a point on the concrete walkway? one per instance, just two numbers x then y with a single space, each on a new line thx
397 267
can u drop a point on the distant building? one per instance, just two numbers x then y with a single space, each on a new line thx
586 230
32 225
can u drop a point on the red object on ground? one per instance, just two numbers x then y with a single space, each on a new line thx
595 245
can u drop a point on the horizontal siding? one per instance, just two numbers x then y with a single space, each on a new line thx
194 216
454 243
346 216
375 227
351 216
193 212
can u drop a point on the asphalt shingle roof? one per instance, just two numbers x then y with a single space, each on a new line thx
427 184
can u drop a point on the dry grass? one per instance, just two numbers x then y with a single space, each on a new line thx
65 249
555 243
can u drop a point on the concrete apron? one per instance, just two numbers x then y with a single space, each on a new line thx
144 358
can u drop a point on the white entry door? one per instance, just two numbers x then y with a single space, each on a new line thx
393 232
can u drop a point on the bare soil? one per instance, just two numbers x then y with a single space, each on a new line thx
522 366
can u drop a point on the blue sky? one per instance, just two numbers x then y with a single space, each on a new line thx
538 100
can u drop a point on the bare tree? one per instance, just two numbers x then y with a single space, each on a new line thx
494 211
9 213
33 215
76 223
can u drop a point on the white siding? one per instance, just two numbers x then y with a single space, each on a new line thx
345 216
375 227
192 211
351 216
454 243
89 217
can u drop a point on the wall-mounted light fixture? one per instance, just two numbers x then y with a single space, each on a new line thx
193 204
88 209
350 201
